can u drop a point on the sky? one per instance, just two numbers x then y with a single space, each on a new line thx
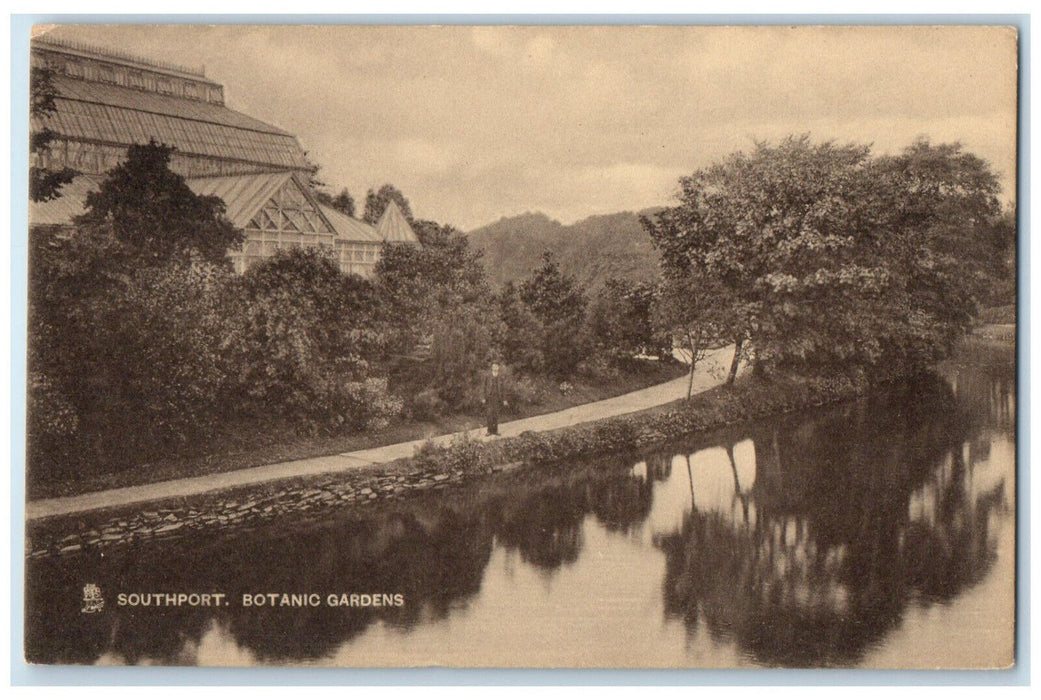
477 123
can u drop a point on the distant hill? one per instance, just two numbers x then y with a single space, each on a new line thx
593 250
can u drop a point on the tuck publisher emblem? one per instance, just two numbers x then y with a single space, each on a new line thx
92 600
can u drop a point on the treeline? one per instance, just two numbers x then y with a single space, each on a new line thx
143 342
809 258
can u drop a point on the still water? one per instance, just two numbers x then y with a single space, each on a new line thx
876 533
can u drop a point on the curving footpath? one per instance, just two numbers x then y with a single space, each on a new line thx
710 373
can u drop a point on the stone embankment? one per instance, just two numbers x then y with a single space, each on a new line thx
245 508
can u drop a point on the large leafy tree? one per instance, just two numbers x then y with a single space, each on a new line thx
827 257
125 360
414 281
947 243
376 202
436 293
153 213
303 334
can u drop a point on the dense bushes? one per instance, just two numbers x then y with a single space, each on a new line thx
301 336
123 361
128 362
622 321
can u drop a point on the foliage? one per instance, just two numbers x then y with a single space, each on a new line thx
44 184
622 322
129 361
559 306
461 350
303 336
692 310
414 281
519 339
343 202
828 258
129 358
376 203
427 405
151 210
551 295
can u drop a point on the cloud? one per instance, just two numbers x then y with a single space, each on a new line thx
474 123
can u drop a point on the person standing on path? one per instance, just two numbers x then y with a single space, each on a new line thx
492 399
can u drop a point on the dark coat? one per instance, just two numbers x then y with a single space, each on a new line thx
493 390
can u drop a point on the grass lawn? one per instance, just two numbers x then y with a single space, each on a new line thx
240 446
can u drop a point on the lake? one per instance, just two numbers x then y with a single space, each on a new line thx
877 533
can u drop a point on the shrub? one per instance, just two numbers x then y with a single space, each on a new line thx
134 356
521 390
364 405
427 405
301 335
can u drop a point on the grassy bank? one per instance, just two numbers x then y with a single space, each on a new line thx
241 446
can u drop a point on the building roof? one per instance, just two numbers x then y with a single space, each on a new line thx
48 42
243 195
348 228
94 111
394 227
71 203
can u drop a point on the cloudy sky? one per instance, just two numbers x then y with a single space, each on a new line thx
476 123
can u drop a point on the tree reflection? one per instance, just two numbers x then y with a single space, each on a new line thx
544 522
434 559
821 558
433 549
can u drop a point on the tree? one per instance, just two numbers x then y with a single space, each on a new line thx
621 320
437 293
155 215
559 305
303 339
688 309
124 360
414 282
343 202
376 203
519 339
44 184
829 259
949 244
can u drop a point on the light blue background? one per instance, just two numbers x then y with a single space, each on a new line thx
24 674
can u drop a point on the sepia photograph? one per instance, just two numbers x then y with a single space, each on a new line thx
578 346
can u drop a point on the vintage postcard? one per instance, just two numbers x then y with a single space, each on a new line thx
522 346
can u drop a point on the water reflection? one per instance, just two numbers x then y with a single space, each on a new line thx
810 540
855 513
